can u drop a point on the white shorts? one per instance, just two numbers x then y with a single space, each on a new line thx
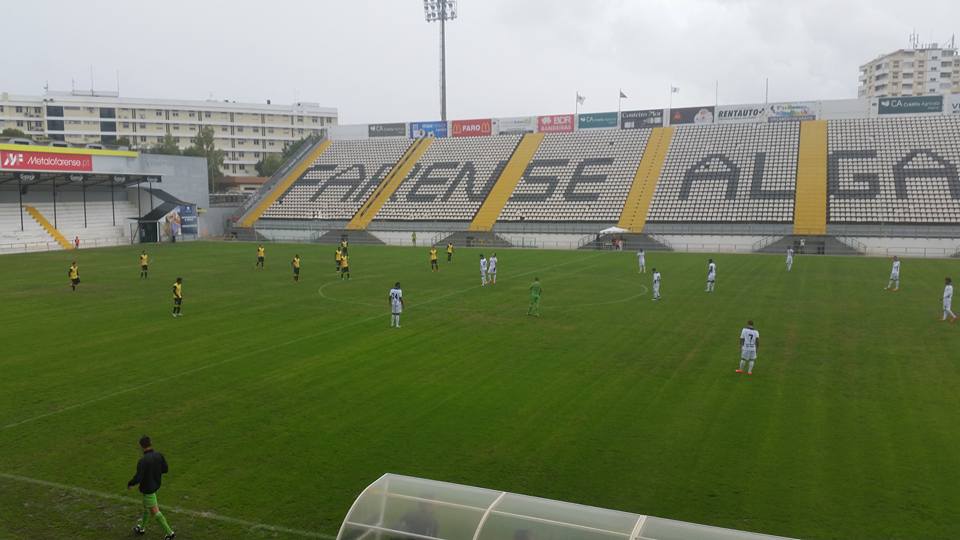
947 305
748 354
711 279
397 310
894 277
491 273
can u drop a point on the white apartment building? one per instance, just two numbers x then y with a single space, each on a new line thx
246 132
921 71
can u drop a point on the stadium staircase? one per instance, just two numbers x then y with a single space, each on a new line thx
810 206
475 239
631 242
280 182
634 214
353 237
48 227
389 185
812 245
500 193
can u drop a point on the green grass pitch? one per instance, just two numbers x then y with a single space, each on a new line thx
277 402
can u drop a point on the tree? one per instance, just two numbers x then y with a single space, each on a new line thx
14 132
124 141
204 146
269 164
168 147
290 149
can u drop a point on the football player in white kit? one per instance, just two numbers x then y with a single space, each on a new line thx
656 284
894 284
789 258
492 269
711 275
396 305
948 300
642 261
483 271
749 343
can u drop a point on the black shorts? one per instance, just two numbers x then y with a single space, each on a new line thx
345 270
433 262
259 259
177 301
75 281
143 267
296 271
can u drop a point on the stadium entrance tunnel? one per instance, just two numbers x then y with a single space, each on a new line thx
405 507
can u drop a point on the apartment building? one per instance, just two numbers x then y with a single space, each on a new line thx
921 71
246 132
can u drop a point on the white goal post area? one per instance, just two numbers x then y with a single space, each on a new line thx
404 507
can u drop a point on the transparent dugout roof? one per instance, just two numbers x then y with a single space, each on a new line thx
403 507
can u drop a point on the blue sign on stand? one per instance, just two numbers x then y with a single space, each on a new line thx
428 129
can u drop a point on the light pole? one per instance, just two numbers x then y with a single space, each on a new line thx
443 11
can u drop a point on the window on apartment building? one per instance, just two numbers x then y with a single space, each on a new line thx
106 112
126 125
159 113
19 123
239 130
300 119
223 129
56 136
55 125
19 109
269 130
241 141
176 127
54 110
314 119
270 143
176 114
108 126
37 110
191 114
143 139
143 126
206 114
233 169
243 154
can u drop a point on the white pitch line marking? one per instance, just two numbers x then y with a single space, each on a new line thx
176 509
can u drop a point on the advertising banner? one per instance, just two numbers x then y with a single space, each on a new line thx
398 129
646 119
428 129
792 112
555 123
517 125
730 114
188 219
597 120
955 104
691 115
472 128
15 160
910 105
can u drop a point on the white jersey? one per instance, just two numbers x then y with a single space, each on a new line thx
789 254
712 271
947 294
750 337
656 279
895 271
396 300
641 257
491 265
483 266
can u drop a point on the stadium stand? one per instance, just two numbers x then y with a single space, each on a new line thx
738 173
894 170
339 181
451 180
581 177
488 212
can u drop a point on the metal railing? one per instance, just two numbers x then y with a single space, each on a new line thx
50 245
282 172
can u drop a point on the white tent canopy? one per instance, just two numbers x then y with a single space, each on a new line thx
614 230
403 507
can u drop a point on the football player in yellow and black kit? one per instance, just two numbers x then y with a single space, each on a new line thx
74 274
144 262
336 259
449 252
344 266
434 266
177 297
261 255
295 263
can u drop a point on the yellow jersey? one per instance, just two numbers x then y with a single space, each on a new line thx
260 252
433 254
178 290
296 262
74 271
344 263
449 248
337 256
143 259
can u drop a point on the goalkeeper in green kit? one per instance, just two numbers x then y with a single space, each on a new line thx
149 470
535 290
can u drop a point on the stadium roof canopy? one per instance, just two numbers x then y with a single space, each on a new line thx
406 507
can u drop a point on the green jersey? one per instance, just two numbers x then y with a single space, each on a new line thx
535 290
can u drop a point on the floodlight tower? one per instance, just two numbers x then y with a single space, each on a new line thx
443 11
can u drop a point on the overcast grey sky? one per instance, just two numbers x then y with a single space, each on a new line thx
377 60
